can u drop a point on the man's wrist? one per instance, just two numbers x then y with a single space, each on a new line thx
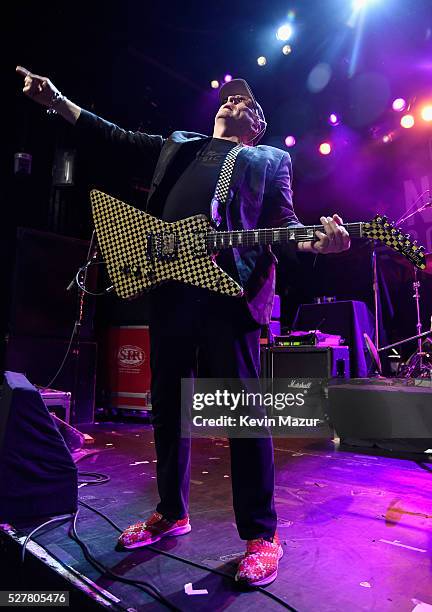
60 105
57 99
308 246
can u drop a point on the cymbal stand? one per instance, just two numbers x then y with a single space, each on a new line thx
420 363
416 296
417 365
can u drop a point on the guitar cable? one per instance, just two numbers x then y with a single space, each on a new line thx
201 566
81 285
150 589
66 355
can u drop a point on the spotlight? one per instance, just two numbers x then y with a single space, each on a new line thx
290 141
325 148
358 5
284 32
261 60
407 121
214 84
227 78
333 119
387 138
426 113
399 104
286 49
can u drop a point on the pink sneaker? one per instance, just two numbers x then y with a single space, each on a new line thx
152 530
259 565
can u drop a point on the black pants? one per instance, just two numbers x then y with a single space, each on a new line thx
190 327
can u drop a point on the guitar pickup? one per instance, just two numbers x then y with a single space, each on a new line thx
165 246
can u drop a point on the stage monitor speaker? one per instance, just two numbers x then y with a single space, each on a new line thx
382 412
40 358
38 476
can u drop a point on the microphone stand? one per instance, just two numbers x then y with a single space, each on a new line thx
76 349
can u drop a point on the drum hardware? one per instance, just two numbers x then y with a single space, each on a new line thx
374 352
419 364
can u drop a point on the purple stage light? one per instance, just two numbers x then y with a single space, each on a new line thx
399 104
290 141
333 119
227 78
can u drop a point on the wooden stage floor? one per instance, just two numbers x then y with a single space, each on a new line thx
355 527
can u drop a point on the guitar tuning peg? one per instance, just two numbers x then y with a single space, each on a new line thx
421 248
407 236
384 218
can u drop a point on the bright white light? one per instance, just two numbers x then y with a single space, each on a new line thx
426 113
399 105
325 148
214 84
284 32
407 121
261 60
358 5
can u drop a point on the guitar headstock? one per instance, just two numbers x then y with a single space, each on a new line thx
382 229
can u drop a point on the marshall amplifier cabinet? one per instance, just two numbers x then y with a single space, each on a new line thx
306 362
303 362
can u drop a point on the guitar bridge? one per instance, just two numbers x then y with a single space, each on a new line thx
200 244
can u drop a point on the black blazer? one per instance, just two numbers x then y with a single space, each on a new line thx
260 195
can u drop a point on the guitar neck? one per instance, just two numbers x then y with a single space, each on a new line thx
273 235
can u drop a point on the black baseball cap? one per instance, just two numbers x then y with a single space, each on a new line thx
237 87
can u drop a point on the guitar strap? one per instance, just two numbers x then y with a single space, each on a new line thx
222 187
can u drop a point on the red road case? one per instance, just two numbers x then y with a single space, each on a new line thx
129 367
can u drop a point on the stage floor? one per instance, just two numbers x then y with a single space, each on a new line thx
355 527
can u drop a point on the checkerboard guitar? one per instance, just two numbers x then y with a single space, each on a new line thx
141 251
